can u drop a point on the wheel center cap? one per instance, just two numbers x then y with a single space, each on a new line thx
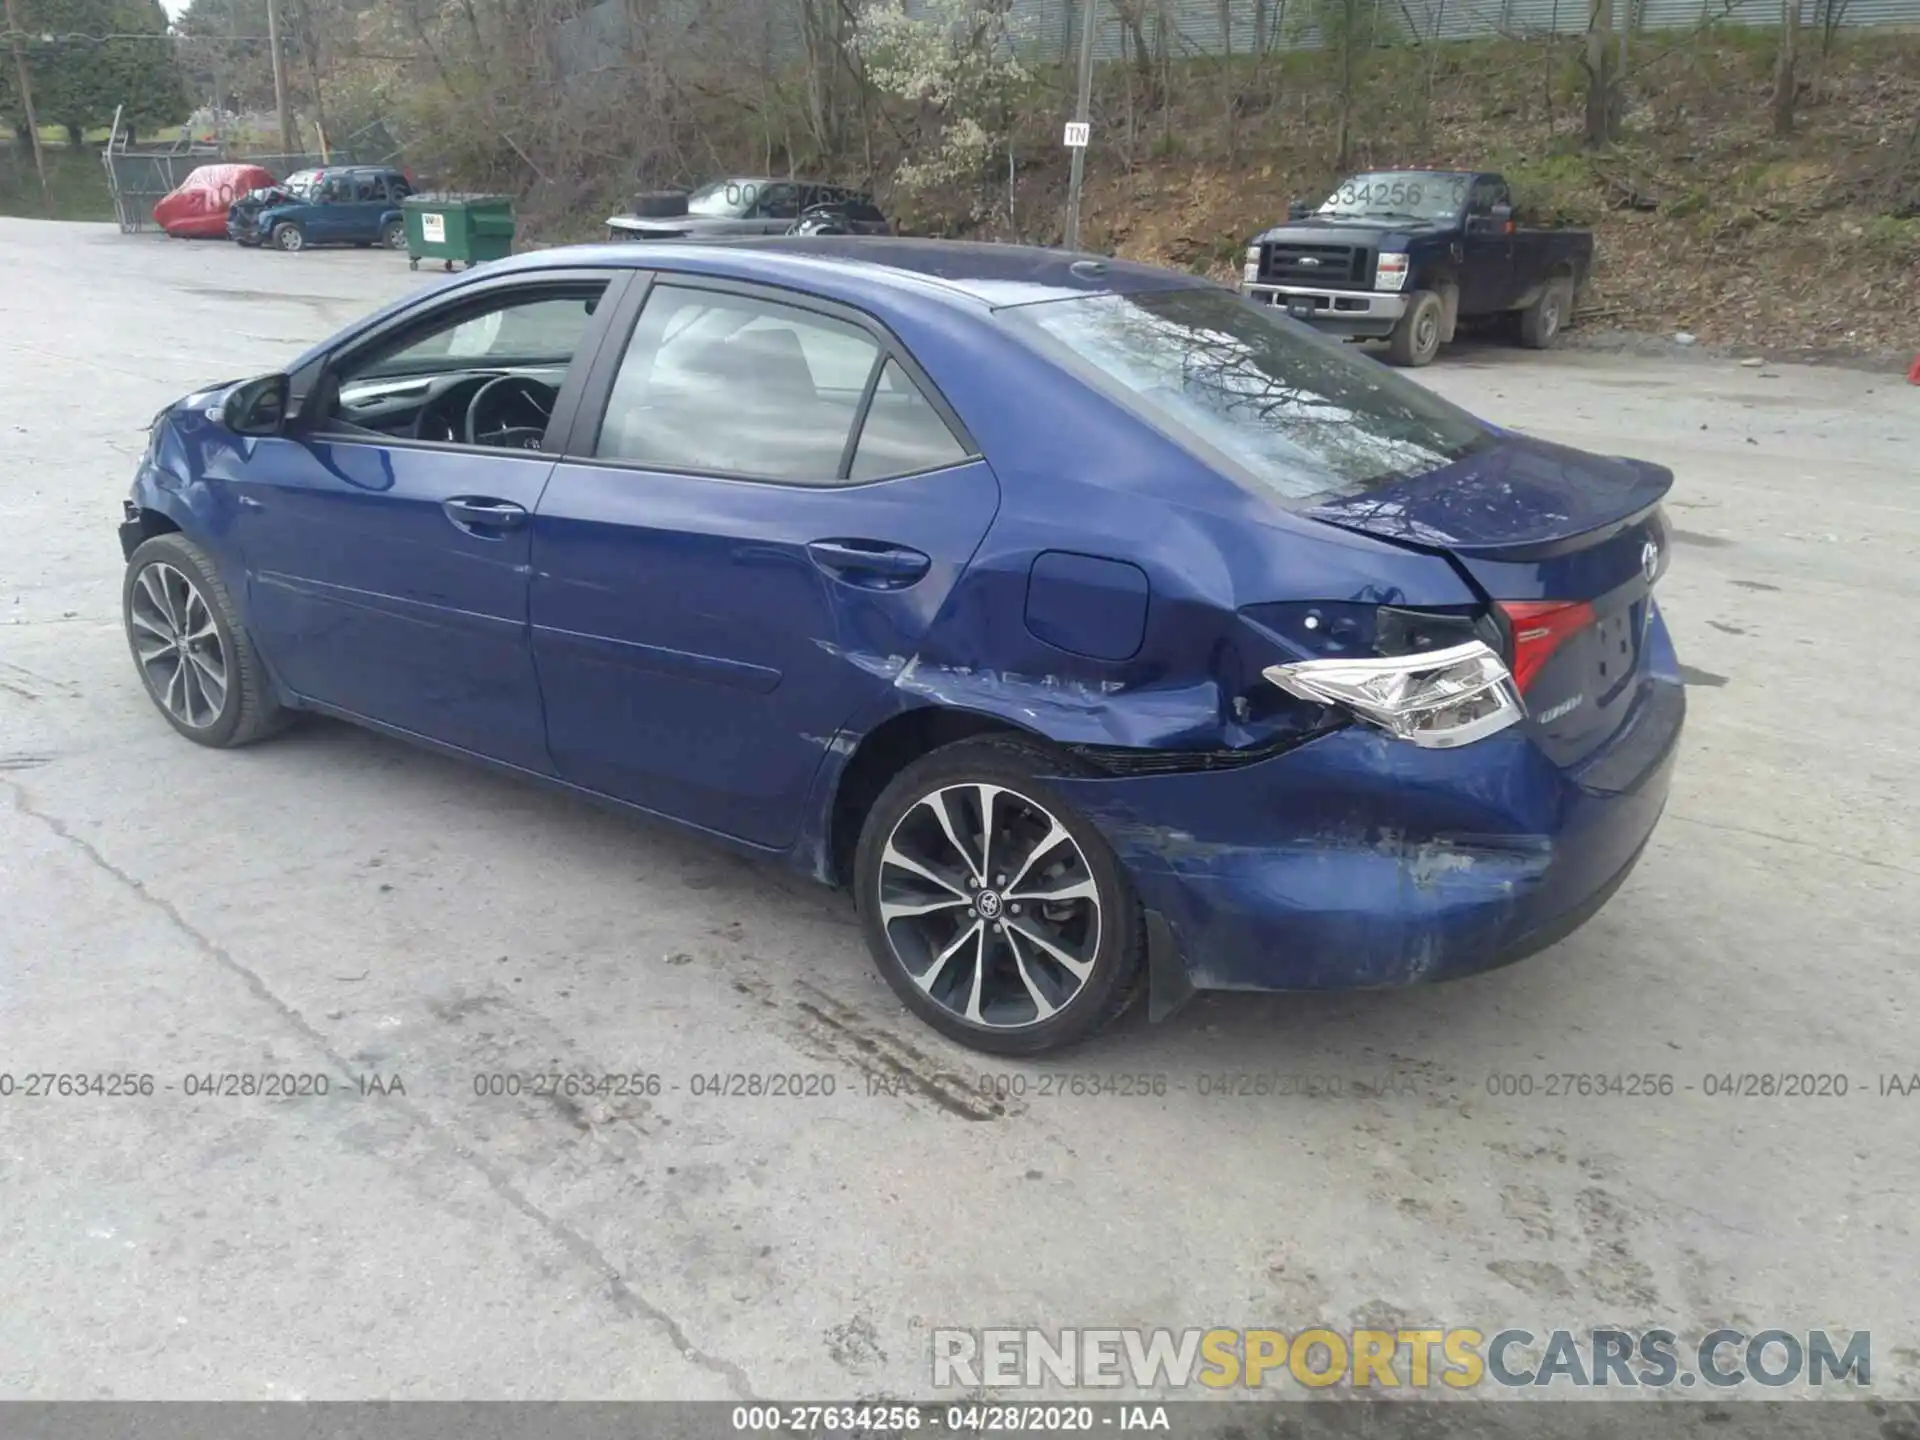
988 903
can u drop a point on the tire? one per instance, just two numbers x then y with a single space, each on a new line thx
172 587
1416 339
393 235
1099 926
1542 321
289 237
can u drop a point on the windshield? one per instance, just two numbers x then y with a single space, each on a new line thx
1304 417
1399 195
730 199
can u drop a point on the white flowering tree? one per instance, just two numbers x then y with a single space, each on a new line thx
954 62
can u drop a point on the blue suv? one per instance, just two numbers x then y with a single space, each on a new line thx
350 205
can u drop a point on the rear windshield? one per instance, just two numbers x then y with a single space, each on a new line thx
1305 417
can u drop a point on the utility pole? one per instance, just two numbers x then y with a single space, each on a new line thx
26 104
288 144
1079 132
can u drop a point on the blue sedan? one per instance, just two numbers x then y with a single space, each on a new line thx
1106 634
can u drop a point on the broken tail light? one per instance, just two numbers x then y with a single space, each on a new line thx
1437 699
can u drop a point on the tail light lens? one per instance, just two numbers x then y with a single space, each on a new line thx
1539 627
1438 699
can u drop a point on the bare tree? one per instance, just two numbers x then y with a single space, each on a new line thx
1786 80
1602 76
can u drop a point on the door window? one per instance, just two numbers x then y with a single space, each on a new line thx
1486 195
902 434
736 385
421 384
366 188
780 202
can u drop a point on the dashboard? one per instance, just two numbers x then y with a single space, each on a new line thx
438 407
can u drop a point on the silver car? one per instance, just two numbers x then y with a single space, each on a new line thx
750 205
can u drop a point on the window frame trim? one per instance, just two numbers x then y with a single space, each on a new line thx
596 397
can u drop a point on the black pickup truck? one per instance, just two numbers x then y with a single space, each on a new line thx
1405 255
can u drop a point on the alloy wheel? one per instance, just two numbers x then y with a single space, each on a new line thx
988 903
179 646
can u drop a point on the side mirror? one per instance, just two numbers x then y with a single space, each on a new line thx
1299 210
256 407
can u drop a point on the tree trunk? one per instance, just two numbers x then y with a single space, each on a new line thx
1786 81
1349 42
1600 74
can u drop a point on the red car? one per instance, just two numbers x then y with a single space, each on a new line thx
197 210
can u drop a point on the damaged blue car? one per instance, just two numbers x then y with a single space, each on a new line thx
1107 635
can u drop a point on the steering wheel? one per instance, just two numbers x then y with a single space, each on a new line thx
503 392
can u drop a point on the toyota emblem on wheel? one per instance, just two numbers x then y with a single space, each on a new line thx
1650 560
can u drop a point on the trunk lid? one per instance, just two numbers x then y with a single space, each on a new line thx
1542 531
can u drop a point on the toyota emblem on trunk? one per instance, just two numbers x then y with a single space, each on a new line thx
1650 560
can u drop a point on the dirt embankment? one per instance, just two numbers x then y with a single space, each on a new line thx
1707 225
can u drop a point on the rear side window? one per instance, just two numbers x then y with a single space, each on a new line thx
737 385
903 433
1304 417
728 384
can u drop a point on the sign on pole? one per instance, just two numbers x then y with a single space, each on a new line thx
1078 133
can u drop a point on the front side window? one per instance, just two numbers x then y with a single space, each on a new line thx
779 202
1299 415
1486 195
737 385
426 384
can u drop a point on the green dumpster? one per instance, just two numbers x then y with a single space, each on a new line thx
471 229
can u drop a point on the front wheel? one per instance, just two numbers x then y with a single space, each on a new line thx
1415 339
289 237
996 912
194 656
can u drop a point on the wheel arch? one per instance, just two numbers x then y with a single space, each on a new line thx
882 753
143 522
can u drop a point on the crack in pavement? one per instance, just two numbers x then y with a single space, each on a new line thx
1837 854
623 1295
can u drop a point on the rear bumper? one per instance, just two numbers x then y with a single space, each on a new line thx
1358 861
1339 312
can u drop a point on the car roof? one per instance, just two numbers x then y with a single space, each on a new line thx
848 265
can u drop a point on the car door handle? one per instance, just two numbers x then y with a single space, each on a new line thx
870 563
476 513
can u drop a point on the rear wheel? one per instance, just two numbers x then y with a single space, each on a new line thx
994 910
393 235
1542 321
289 237
1416 339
